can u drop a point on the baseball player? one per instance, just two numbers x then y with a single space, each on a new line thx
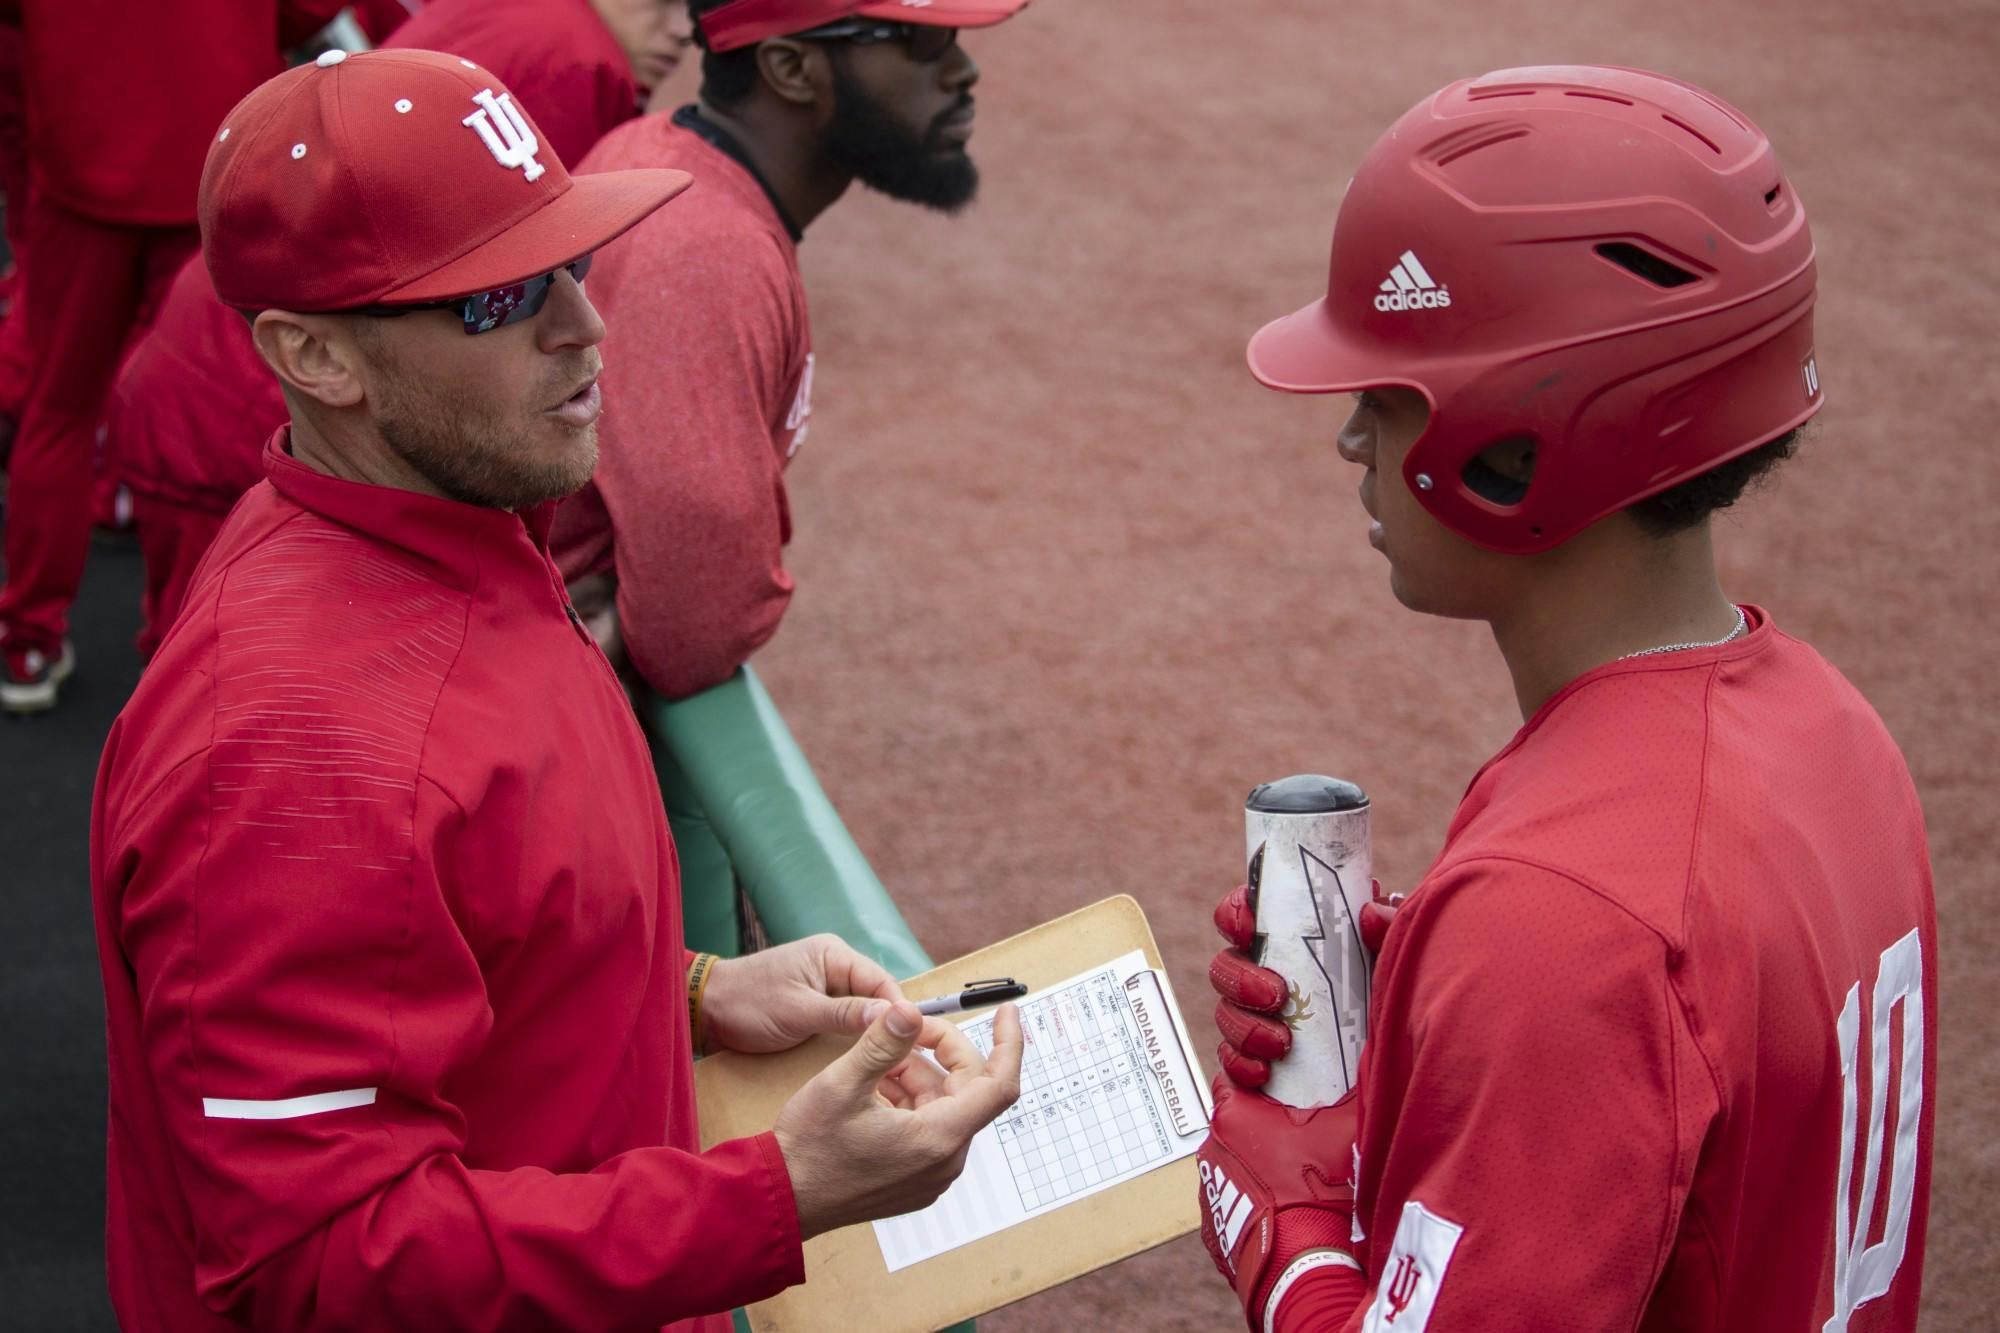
14 190
117 128
1653 1042
677 545
195 403
399 1017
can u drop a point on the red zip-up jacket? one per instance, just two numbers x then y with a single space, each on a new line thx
390 929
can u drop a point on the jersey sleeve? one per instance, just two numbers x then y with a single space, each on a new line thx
706 342
305 1003
1531 1110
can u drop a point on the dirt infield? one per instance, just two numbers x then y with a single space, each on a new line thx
1070 583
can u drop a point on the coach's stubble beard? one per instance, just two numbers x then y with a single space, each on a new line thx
477 451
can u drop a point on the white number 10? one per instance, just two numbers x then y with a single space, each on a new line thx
1861 1271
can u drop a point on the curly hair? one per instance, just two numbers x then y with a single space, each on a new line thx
1692 502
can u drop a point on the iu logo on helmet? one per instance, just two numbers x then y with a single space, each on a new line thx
1402 1286
505 132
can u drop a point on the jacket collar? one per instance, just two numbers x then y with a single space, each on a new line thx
444 533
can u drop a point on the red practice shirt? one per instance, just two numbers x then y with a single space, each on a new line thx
195 403
707 390
390 929
1662 1019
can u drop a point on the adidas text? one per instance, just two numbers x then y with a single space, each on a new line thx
1409 286
1413 300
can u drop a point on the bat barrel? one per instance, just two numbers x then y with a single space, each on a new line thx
1310 874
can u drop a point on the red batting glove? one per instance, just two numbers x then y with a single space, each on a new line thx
1277 1208
1253 997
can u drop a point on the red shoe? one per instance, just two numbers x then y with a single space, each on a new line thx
29 677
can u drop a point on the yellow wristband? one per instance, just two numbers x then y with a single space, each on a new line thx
698 974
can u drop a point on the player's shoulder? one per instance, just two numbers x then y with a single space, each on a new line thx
724 212
1603 791
1490 933
1618 781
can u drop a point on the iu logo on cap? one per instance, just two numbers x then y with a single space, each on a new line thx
505 132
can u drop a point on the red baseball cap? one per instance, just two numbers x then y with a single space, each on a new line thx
744 22
397 177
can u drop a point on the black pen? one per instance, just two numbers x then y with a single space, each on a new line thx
973 996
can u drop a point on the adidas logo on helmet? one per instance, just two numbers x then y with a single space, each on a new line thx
1409 287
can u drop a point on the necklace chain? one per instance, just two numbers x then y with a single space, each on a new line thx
1742 624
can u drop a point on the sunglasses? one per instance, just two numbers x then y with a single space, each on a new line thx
927 43
485 311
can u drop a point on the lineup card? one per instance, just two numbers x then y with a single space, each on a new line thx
1108 1092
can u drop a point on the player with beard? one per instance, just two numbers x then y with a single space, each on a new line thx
675 551
399 1016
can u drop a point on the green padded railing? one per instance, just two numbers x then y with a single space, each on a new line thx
747 809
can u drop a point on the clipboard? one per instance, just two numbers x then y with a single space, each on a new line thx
739 1095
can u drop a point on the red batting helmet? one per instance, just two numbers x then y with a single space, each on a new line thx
1607 262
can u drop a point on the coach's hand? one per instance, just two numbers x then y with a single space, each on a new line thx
1253 997
884 1130
776 998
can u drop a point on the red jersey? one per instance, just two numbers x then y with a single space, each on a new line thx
124 98
707 393
391 938
557 56
1653 1044
380 18
194 404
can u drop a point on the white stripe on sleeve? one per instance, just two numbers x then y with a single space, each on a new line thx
287 1108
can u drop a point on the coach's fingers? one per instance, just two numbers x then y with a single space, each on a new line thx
1255 1035
1236 918
850 972
953 1051
887 1043
919 1080
979 1087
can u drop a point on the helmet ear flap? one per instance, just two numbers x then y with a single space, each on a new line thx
1502 472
